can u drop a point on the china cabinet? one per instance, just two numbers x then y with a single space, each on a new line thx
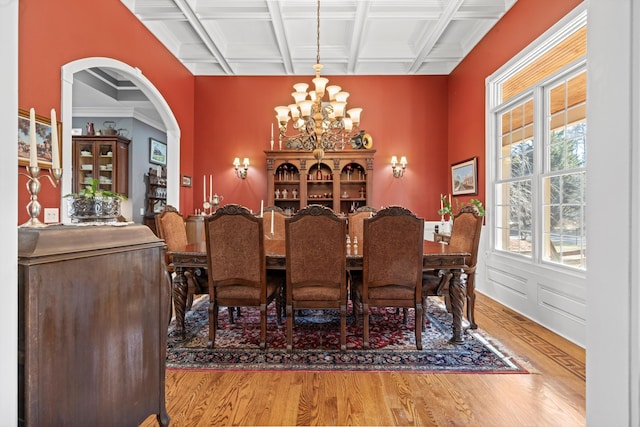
342 181
156 195
105 158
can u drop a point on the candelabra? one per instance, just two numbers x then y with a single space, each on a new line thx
33 186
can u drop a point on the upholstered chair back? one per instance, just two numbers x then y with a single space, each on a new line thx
356 221
278 224
316 249
392 249
465 234
235 248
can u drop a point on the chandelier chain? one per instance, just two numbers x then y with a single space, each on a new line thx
318 35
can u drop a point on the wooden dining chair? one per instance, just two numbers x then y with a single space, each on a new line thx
237 266
392 266
172 229
315 265
465 235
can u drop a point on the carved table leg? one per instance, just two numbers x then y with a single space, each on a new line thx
180 299
457 295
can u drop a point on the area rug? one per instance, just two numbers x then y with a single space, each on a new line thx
316 344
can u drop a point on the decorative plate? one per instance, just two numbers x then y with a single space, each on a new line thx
367 141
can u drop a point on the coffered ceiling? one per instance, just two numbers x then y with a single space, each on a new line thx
279 37
357 37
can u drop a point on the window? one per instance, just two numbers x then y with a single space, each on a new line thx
538 130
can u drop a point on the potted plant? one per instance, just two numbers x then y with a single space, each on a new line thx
92 204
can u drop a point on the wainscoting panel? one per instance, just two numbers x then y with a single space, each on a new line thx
551 296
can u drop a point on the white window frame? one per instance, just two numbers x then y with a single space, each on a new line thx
495 106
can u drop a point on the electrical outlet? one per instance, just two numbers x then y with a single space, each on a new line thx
51 215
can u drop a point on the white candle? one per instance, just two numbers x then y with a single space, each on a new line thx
441 205
210 187
272 223
33 146
55 154
272 131
204 188
261 208
449 199
159 171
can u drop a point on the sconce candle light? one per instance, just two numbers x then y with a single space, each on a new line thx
398 170
241 172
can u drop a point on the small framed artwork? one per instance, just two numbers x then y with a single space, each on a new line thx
186 181
464 177
43 139
157 152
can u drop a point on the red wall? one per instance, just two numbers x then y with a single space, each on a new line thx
405 115
439 120
53 33
524 22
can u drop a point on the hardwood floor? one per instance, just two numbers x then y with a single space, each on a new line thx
553 394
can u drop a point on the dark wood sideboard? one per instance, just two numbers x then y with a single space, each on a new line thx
94 305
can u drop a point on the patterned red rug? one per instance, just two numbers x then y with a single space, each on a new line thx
316 344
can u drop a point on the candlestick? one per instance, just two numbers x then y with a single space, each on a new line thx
55 154
33 146
33 186
272 212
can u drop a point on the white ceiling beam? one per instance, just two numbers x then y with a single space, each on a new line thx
275 10
359 26
204 36
438 29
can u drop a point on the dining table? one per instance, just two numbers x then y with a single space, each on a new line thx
436 256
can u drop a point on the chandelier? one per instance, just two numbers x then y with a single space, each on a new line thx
320 124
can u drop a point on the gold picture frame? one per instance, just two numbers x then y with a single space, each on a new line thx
43 139
464 177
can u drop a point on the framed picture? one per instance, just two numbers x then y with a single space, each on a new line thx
464 177
186 181
157 152
43 139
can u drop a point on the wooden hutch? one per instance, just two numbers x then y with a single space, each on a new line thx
342 181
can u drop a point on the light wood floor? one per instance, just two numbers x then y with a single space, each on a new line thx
552 395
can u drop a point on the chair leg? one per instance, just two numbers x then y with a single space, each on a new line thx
289 328
343 327
471 300
365 325
189 302
263 326
213 322
418 326
231 319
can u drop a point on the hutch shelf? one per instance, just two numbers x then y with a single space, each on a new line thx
342 181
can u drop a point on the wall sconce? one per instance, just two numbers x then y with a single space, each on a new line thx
398 171
241 172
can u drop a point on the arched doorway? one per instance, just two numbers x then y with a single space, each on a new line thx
154 96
